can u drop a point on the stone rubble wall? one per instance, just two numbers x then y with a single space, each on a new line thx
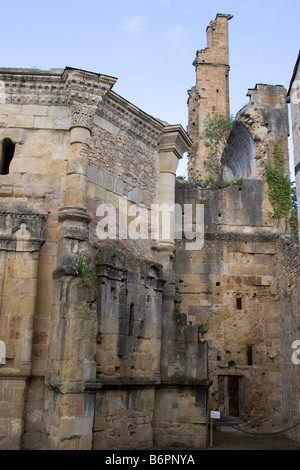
83 357
238 260
288 289
294 100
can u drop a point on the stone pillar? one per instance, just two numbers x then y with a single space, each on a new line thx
74 195
73 323
173 144
74 327
181 395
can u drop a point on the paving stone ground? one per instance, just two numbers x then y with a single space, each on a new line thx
235 440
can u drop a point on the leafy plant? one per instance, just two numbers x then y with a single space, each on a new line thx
82 270
214 136
279 191
203 328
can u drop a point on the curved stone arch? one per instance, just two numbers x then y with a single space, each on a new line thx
238 159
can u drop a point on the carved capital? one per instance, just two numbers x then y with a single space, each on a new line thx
82 115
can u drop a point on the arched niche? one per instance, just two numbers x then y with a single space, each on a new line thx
238 158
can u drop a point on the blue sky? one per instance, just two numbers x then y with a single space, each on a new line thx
150 45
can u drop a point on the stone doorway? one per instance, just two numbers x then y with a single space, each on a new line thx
229 395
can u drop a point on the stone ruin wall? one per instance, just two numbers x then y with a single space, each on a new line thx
235 264
211 91
288 298
243 258
294 100
82 365
257 127
68 377
289 286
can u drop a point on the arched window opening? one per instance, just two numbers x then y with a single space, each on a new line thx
8 150
131 320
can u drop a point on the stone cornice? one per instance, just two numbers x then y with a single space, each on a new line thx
61 89
128 117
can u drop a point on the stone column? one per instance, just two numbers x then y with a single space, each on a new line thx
74 195
180 399
73 327
173 144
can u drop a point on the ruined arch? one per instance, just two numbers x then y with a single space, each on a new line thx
238 158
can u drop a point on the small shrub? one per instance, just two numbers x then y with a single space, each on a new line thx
82 270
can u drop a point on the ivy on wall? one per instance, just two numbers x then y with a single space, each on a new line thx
215 134
294 214
281 191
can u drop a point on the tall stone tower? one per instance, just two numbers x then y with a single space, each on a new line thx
211 92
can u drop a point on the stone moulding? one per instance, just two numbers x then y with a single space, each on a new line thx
14 374
26 87
128 117
73 213
125 383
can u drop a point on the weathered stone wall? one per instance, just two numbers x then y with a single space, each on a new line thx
183 421
288 289
294 100
258 126
125 142
121 352
124 418
68 145
229 288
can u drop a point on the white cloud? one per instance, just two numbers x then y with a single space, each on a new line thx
134 24
175 37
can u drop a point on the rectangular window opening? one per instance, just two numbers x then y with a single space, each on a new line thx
250 355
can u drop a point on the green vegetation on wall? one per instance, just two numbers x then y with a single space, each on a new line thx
281 191
215 135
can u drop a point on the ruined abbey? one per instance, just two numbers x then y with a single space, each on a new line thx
123 323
